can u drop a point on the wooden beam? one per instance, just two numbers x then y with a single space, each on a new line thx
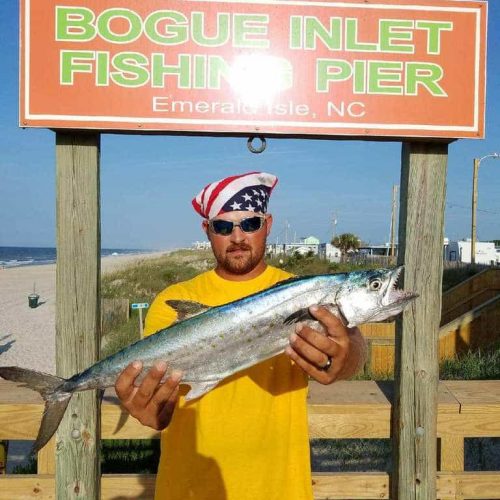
452 453
46 458
326 486
421 224
78 310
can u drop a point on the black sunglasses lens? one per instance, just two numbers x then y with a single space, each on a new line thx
223 227
251 224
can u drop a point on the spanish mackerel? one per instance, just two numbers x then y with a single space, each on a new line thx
220 341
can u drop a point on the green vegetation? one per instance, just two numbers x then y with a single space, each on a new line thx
144 280
474 365
303 265
141 283
118 454
346 242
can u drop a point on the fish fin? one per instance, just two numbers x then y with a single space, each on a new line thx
52 415
124 415
304 314
186 308
300 315
200 388
56 401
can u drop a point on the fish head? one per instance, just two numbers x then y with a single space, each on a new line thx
371 296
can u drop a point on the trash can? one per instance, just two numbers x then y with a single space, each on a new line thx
33 300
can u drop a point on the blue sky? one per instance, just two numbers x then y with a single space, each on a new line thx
147 182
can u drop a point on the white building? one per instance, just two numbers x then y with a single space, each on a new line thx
460 251
201 245
329 252
323 250
274 249
377 250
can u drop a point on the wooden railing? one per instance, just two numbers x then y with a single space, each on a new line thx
471 293
470 319
357 409
473 329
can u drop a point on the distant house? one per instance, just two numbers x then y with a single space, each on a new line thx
460 251
310 240
329 252
377 250
307 245
201 245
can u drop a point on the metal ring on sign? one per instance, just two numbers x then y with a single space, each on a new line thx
252 148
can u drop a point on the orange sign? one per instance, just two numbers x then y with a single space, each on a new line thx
385 68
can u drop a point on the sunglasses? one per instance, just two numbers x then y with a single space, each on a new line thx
247 225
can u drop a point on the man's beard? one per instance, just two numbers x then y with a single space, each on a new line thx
243 263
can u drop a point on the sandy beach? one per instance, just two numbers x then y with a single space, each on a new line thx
27 336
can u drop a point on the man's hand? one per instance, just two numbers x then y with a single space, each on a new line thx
152 403
338 353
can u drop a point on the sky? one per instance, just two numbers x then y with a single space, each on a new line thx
147 182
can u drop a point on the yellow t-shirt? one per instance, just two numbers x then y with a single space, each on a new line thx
247 439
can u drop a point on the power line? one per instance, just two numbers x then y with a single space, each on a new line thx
450 205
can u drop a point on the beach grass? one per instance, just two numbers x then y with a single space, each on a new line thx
143 280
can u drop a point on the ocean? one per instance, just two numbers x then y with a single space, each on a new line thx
31 256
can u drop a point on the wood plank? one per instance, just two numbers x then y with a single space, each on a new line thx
118 424
328 486
343 395
451 453
335 486
488 278
475 396
27 487
380 330
373 425
360 407
470 424
19 421
78 309
46 458
478 485
11 393
421 233
3 456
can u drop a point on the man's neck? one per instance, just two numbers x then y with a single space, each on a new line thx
256 271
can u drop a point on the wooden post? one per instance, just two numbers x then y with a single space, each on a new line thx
423 186
393 220
141 327
78 310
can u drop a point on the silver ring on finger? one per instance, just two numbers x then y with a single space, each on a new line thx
327 365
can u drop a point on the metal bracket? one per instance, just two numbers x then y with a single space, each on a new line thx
252 148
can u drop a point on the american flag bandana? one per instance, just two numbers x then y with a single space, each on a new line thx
250 192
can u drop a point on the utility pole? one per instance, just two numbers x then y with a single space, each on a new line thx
475 171
393 219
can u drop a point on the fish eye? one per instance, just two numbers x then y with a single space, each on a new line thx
375 284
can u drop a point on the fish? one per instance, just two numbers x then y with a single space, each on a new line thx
209 344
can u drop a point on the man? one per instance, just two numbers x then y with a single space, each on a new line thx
247 439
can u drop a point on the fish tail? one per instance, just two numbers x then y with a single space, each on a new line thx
49 387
